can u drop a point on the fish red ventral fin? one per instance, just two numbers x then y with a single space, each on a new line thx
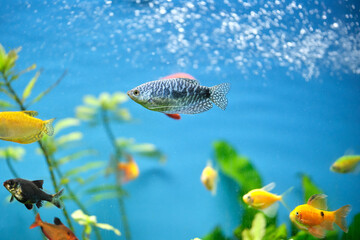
174 116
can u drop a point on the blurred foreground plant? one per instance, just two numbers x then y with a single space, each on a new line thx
103 111
90 221
254 225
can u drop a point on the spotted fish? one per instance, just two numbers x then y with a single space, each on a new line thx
179 93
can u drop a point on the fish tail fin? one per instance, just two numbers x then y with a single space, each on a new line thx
340 216
56 199
218 95
48 127
37 222
283 197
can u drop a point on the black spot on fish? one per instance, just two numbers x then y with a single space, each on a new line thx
179 94
322 214
166 92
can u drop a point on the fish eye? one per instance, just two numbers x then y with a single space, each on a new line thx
297 213
136 92
249 198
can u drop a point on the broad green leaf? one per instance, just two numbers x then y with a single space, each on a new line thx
273 232
258 227
30 86
84 168
65 123
354 229
108 227
237 167
216 234
119 97
309 187
85 113
122 115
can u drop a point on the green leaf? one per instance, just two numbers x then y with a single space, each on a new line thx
65 123
71 137
237 167
75 156
85 113
91 101
354 229
5 104
309 187
14 153
216 234
30 86
103 188
84 168
48 90
108 227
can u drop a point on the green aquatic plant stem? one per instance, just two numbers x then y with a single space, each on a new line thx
106 123
77 201
11 167
42 147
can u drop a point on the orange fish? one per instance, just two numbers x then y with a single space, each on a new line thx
57 231
129 169
263 200
314 218
22 127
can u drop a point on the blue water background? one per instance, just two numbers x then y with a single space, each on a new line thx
294 104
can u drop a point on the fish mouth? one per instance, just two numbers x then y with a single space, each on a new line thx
6 185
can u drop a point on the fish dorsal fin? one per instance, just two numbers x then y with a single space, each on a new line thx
318 201
179 75
31 113
57 221
39 183
269 187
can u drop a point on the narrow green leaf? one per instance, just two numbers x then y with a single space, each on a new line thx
91 101
216 234
48 90
84 168
108 227
103 188
5 104
65 123
104 196
30 86
71 137
75 156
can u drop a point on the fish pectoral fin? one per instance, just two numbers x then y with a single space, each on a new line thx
327 225
31 113
28 206
317 231
57 221
12 198
271 210
39 204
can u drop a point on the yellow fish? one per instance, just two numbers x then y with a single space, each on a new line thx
209 177
22 127
129 169
265 201
314 218
345 164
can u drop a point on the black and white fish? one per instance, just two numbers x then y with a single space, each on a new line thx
179 93
29 193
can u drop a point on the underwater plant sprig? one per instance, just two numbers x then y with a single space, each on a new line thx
8 75
103 111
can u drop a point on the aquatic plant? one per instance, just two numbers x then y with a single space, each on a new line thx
89 222
104 110
48 146
254 225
